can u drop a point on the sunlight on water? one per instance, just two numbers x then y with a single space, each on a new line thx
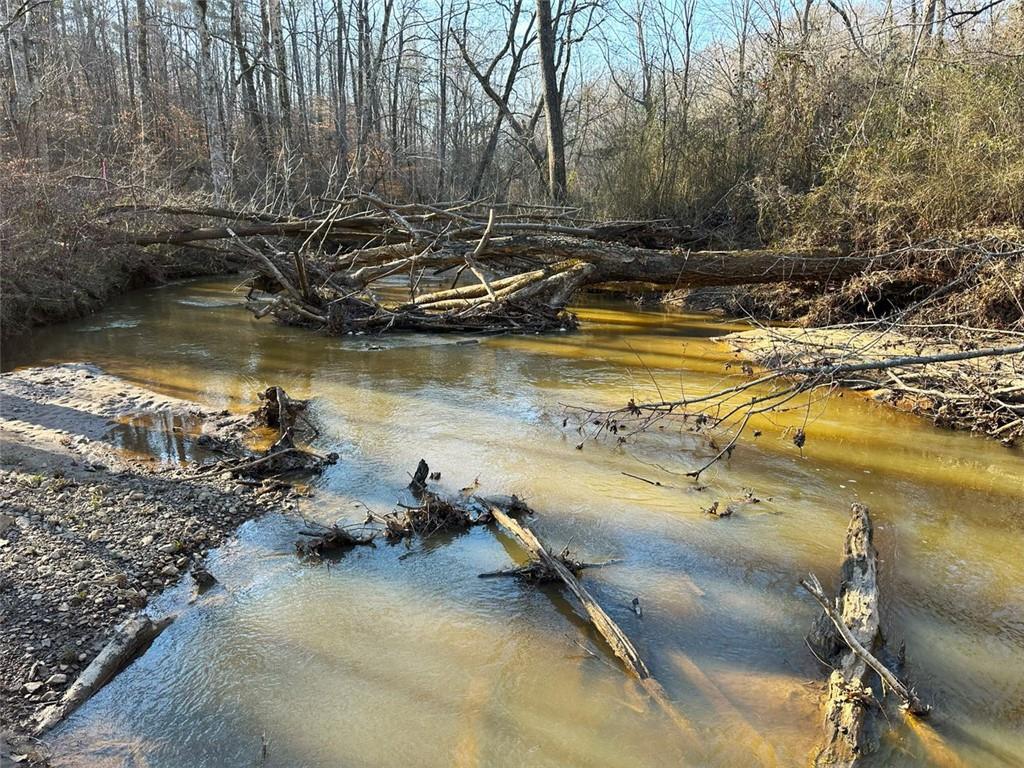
403 656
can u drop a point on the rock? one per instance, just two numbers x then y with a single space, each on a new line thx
57 679
169 570
136 496
147 540
33 687
80 565
170 548
204 579
6 522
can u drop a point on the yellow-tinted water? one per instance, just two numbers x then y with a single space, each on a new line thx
402 656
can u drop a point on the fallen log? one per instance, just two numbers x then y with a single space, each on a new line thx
130 639
613 635
911 702
528 264
320 540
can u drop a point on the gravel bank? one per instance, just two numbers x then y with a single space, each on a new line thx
88 533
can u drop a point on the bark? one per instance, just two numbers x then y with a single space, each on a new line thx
130 639
849 730
211 103
552 103
249 97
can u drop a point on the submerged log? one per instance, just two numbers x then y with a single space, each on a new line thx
320 540
613 635
131 638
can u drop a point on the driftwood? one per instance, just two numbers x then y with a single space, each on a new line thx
844 636
617 640
536 571
278 411
850 731
130 639
320 540
911 702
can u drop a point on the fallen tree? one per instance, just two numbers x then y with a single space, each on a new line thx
522 265
610 632
724 415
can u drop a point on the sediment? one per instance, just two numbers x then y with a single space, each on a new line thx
88 534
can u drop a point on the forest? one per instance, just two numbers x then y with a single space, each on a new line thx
504 382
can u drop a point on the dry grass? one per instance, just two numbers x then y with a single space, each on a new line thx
51 267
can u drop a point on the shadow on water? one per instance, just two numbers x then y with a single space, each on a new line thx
398 655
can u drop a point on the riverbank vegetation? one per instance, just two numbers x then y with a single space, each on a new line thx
875 128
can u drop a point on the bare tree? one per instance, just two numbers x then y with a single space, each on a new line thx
552 102
211 103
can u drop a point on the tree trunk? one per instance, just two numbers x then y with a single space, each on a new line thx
281 64
142 52
249 97
552 103
211 106
341 126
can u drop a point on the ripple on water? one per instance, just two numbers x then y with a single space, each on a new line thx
403 656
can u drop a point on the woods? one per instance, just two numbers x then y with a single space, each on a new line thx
753 120
684 230
753 125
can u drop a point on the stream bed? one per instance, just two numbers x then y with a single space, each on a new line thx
401 655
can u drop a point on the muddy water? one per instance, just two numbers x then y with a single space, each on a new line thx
402 656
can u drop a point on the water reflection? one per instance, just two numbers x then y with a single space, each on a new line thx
390 657
164 435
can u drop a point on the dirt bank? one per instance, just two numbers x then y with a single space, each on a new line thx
53 267
90 533
984 394
54 287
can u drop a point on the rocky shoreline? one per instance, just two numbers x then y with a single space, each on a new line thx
90 534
